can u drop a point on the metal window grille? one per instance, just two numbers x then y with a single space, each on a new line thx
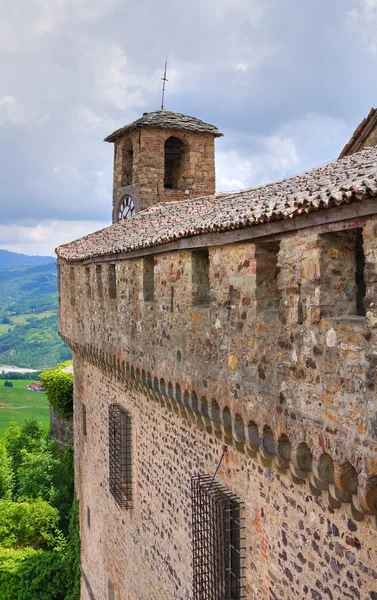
218 552
120 455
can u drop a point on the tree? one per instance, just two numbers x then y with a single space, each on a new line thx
6 473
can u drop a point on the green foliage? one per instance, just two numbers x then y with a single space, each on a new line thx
37 473
34 345
30 574
33 523
8 383
6 472
59 388
17 376
6 321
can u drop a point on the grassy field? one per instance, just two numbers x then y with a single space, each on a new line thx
21 404
22 320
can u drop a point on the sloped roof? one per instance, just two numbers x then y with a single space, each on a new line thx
350 179
166 119
360 134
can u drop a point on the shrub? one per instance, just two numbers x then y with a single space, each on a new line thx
8 383
32 524
30 574
59 388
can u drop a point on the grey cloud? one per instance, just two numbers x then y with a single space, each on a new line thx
81 69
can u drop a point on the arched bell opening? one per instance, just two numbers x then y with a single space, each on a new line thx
174 150
127 162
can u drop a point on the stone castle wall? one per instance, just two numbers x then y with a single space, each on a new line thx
147 187
297 545
273 359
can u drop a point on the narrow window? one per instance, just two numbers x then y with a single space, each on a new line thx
88 516
148 278
217 537
172 299
111 592
127 162
112 282
267 271
84 430
72 286
174 150
120 455
200 277
99 280
87 274
359 276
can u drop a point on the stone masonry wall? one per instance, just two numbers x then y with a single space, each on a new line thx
290 381
147 188
297 547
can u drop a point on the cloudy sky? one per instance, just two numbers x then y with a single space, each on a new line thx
287 81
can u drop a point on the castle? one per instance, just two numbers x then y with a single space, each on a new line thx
225 353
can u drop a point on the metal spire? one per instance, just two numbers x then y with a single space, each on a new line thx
163 85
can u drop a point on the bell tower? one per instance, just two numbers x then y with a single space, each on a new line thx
162 157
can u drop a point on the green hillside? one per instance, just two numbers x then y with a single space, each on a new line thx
28 318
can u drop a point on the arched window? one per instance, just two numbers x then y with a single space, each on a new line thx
174 150
126 208
127 160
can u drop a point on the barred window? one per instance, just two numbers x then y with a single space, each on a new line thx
218 552
120 455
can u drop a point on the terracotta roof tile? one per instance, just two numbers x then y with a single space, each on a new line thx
347 180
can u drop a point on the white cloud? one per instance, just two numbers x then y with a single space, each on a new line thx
11 111
44 237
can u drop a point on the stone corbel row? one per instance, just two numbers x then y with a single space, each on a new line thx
337 482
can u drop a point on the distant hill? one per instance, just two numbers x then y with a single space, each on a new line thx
28 317
11 260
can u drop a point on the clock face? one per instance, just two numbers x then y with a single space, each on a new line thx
126 208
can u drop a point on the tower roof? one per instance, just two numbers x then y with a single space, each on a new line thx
165 119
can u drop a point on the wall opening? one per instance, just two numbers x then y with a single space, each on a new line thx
200 277
342 273
174 150
267 273
218 541
88 516
120 455
72 288
87 275
84 429
112 282
110 592
127 162
99 280
148 278
359 275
